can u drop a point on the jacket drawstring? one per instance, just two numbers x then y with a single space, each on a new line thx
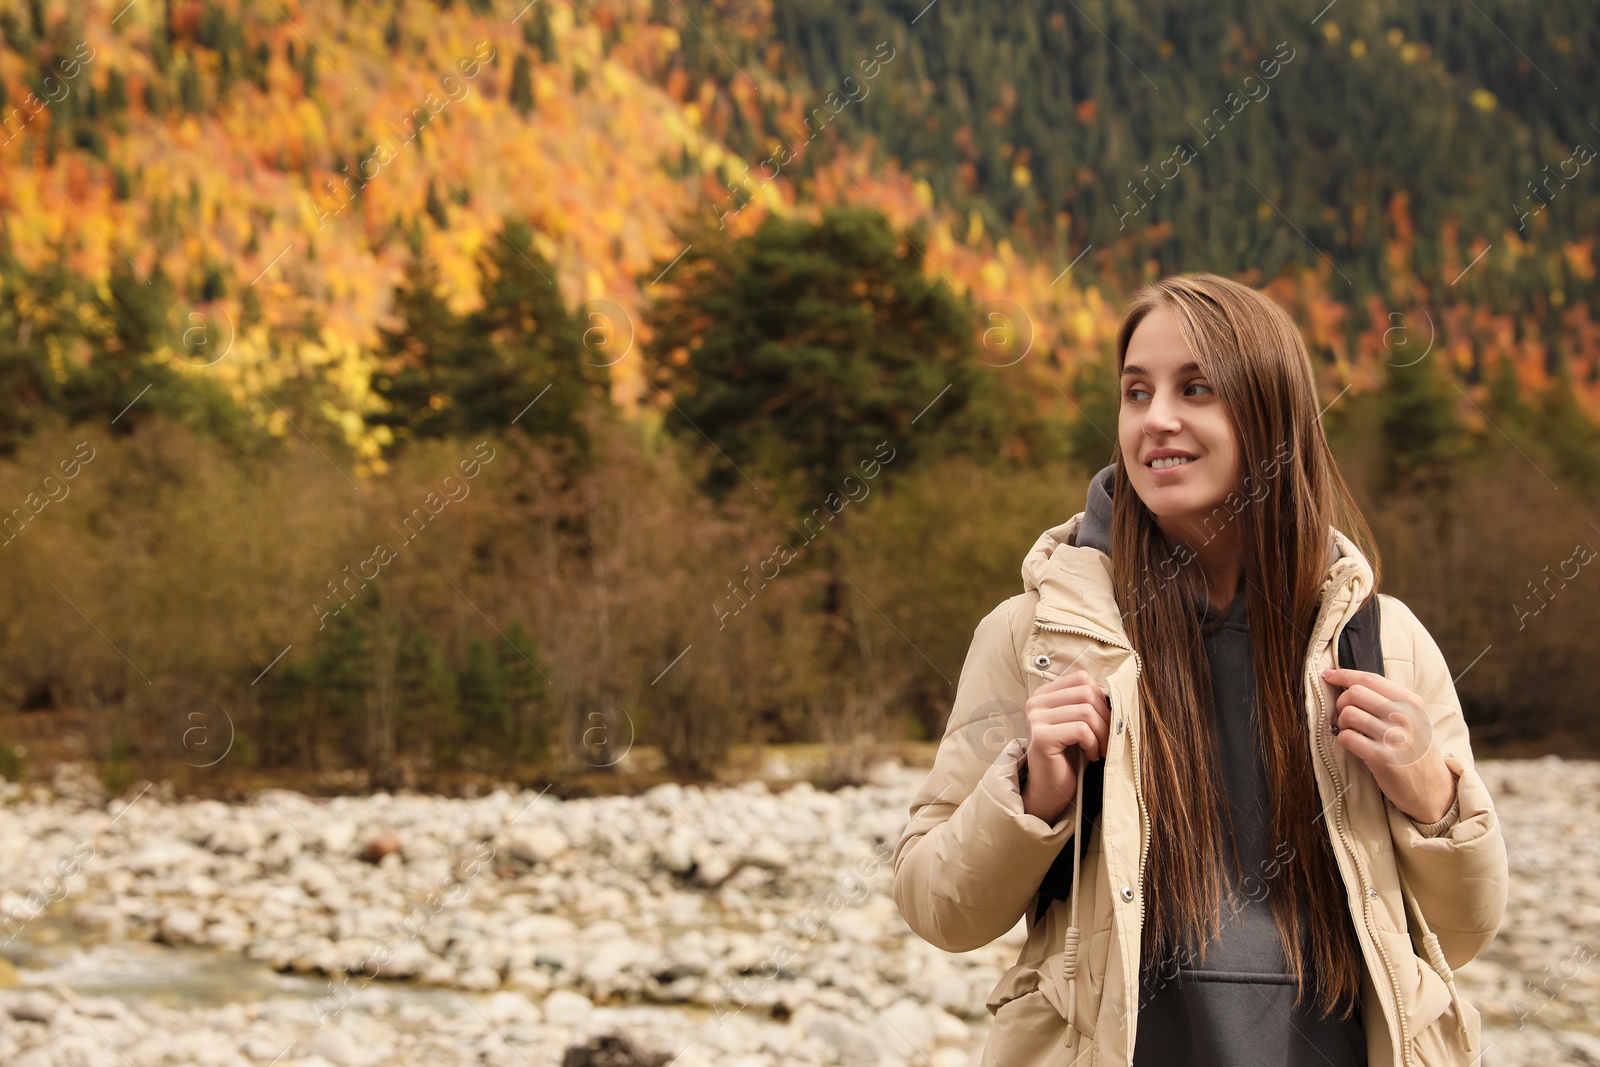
1069 950
1436 957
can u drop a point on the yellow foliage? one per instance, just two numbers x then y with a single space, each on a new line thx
1580 257
1082 321
593 180
614 78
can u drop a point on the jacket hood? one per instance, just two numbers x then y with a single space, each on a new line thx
1091 528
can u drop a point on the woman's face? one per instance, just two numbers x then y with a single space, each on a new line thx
1169 408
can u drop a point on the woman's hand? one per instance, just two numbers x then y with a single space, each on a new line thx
1386 726
1066 714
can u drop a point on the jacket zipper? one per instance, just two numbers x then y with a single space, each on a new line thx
1144 844
1138 782
1325 723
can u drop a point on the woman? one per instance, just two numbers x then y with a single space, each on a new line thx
1282 860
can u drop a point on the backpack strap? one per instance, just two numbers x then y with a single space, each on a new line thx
1361 642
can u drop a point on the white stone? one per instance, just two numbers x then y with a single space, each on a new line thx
34 1007
948 1028
610 958
676 851
235 837
768 853
711 867
183 927
509 1007
479 979
319 1047
337 837
536 844
163 856
849 1040
566 1008
905 1028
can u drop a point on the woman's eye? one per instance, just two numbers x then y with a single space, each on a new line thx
1133 394
1197 385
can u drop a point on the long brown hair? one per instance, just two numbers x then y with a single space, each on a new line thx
1290 492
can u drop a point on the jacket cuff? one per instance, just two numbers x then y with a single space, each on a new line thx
1002 783
995 835
1450 818
1459 876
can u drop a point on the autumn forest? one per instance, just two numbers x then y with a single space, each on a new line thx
408 392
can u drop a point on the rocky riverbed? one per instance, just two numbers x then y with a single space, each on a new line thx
746 926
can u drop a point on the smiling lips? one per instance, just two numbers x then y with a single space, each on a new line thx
1167 464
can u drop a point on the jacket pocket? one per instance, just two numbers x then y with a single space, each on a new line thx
1029 1032
1099 949
1018 981
1439 1044
1423 995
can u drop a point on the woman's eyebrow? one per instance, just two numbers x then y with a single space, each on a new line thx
1134 368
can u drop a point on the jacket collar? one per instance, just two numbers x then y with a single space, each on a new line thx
1075 586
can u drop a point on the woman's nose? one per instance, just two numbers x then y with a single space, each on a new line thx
1161 415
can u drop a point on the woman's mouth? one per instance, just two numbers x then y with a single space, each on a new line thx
1170 463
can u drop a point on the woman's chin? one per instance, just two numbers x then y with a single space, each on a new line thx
1183 504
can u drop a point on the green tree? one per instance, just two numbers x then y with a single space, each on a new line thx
1569 433
801 349
1093 432
527 694
517 360
434 206
521 96
425 688
114 334
1420 432
481 693
313 712
536 31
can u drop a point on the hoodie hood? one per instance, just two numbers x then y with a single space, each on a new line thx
1095 530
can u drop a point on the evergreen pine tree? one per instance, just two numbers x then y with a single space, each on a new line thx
521 85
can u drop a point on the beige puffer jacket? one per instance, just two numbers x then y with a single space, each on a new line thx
970 863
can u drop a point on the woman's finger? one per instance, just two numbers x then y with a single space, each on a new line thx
1392 739
1401 728
1078 714
1066 699
1059 737
1369 688
1360 696
1360 745
1077 693
1068 680
1355 717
